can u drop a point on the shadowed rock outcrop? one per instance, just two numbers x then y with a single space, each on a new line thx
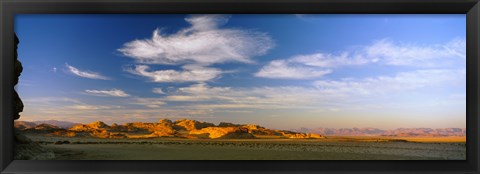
18 71
225 124
21 125
42 128
25 149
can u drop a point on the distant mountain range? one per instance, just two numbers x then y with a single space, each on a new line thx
400 132
61 124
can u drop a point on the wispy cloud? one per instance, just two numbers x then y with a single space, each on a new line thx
158 91
92 107
42 108
200 92
50 100
204 42
282 69
85 74
112 93
322 93
385 84
390 53
190 73
147 102
384 52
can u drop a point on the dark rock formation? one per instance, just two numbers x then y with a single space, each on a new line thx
25 149
18 71
225 124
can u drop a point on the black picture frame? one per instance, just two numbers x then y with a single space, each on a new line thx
9 8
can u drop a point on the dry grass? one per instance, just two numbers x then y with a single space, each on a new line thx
330 148
436 139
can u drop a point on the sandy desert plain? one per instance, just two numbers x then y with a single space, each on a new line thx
192 140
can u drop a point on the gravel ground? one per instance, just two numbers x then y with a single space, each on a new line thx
177 149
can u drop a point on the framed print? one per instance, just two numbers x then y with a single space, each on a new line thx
292 87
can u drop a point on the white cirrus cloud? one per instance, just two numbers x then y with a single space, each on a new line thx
323 93
281 69
390 53
92 107
147 102
112 93
199 92
327 60
85 74
204 42
384 52
400 82
202 88
190 73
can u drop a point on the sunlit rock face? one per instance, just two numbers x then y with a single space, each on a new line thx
164 128
192 124
315 136
258 130
96 129
290 134
189 129
102 130
90 127
302 135
224 132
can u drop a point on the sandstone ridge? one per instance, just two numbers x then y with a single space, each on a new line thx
190 129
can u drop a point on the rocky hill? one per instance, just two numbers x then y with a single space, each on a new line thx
42 128
61 124
28 124
400 132
194 129
20 125
184 128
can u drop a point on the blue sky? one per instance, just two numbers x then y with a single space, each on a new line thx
280 71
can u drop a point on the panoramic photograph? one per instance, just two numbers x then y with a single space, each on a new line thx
240 87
